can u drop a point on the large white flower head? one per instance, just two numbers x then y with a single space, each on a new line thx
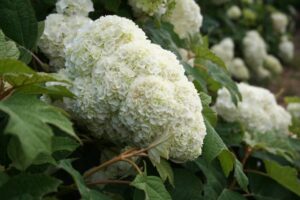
74 7
280 22
258 110
174 110
98 39
238 69
234 12
273 64
254 49
225 50
185 17
286 49
58 30
132 91
151 7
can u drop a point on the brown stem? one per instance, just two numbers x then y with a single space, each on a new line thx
200 66
255 172
134 165
6 93
248 152
1 85
125 155
43 65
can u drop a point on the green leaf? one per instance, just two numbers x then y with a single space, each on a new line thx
214 147
209 114
152 186
230 195
213 144
240 176
22 80
284 175
215 179
29 185
231 133
18 22
218 78
273 143
199 77
165 171
85 192
204 53
62 143
265 188
288 100
187 185
25 80
55 92
29 127
162 33
8 49
14 66
227 161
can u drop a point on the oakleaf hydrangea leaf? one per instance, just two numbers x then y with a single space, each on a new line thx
8 49
29 120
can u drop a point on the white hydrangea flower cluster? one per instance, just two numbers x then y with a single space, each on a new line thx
184 15
234 12
280 22
152 7
225 50
294 109
286 49
74 7
132 91
61 27
186 18
254 49
239 70
236 67
58 29
272 64
258 110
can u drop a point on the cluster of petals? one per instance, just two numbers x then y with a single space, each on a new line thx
258 111
62 26
184 15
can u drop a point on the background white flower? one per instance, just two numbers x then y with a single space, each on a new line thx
234 12
74 7
258 110
58 30
286 49
185 17
280 22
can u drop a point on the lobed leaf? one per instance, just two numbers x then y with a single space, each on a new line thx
284 175
28 186
30 128
152 186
